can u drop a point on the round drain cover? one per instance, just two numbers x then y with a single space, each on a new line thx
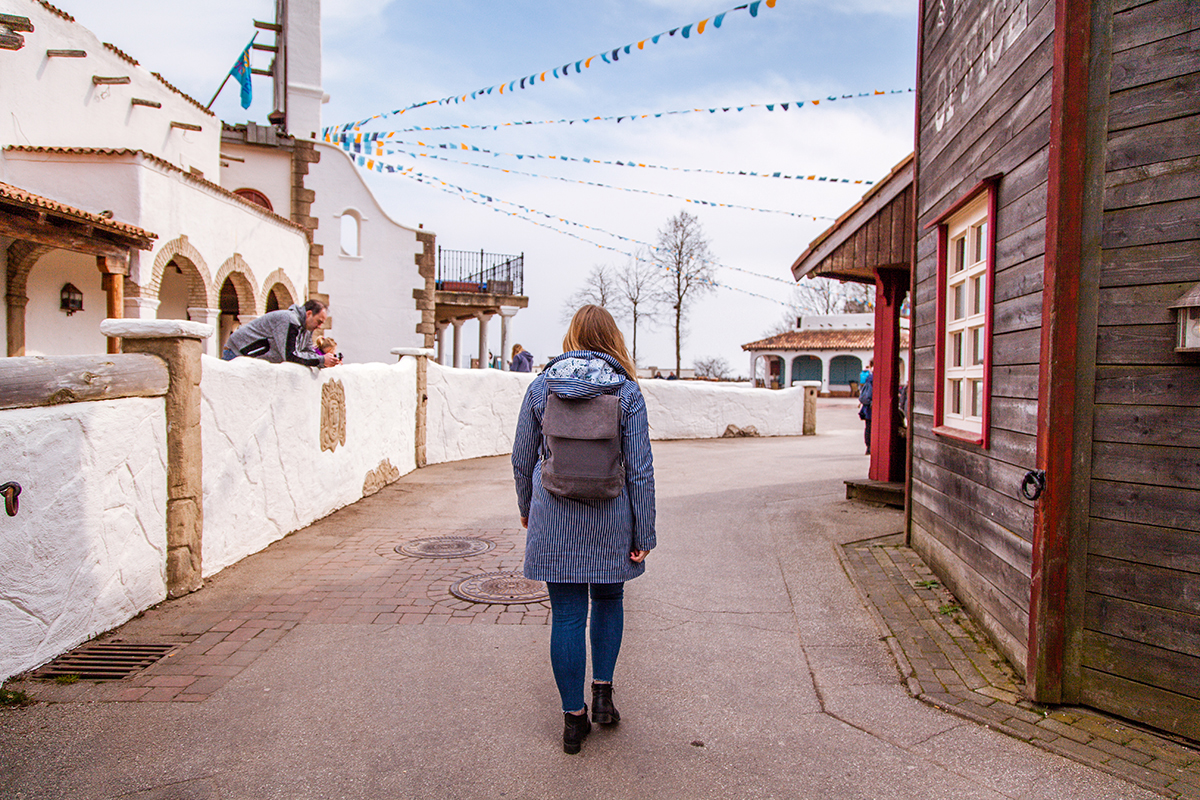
500 587
444 547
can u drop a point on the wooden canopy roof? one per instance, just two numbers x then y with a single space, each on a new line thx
874 233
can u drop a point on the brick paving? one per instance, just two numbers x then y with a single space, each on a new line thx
947 662
360 581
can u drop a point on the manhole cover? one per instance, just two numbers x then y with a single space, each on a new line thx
444 547
105 661
500 587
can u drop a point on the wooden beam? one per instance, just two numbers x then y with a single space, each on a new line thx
29 382
268 26
138 101
66 54
265 47
19 228
18 24
186 126
1057 378
99 80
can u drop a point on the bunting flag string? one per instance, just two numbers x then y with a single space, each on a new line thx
488 201
612 56
337 130
354 143
381 152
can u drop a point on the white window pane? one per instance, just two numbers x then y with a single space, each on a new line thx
955 397
977 345
958 253
956 345
977 295
958 301
976 398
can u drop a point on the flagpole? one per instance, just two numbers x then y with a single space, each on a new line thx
219 88
229 74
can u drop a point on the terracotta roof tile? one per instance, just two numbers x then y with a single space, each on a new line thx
26 198
57 11
834 339
125 151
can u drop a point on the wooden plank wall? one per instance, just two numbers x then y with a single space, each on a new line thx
884 241
1141 639
985 82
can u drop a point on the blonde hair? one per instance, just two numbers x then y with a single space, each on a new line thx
593 328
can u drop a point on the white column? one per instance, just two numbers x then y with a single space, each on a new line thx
209 316
484 319
826 358
441 343
506 313
457 361
141 308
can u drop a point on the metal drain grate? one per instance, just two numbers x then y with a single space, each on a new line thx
445 547
105 661
502 588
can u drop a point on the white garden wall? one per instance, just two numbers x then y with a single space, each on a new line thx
473 412
87 549
265 474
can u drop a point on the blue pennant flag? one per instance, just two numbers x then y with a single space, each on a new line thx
241 73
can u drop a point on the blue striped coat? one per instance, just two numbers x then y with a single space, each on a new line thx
585 541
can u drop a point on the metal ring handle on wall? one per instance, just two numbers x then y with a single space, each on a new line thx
11 491
1034 484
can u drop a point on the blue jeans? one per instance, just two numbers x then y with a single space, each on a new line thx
568 618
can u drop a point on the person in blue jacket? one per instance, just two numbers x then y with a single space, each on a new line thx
866 396
586 548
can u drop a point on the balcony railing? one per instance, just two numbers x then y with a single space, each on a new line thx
477 271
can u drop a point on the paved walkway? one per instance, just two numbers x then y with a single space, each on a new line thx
331 666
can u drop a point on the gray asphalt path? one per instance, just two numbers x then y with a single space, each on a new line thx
750 669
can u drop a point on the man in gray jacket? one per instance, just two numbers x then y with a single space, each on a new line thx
281 336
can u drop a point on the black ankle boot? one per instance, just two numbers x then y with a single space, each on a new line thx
576 727
603 710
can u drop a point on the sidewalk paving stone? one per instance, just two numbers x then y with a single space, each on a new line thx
958 670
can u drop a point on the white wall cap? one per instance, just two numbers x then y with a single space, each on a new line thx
508 311
428 352
155 328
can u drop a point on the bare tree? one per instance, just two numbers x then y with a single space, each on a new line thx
713 367
640 293
860 298
599 289
683 253
817 296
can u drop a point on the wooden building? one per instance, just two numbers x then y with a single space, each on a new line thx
872 243
1055 436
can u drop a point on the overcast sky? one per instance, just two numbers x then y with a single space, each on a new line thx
382 56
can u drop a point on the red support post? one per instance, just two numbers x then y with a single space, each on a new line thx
887 447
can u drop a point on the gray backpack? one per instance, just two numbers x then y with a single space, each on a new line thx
581 457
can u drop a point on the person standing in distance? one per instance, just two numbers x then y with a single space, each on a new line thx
284 335
586 548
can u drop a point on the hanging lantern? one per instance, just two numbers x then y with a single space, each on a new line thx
72 299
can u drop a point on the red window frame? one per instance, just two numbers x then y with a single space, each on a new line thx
989 186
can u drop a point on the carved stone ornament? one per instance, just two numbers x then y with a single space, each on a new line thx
380 477
333 415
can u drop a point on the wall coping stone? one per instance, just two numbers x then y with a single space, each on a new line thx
155 329
428 352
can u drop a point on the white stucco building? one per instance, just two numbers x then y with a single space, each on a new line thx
830 348
91 129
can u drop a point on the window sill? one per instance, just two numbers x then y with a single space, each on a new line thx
970 437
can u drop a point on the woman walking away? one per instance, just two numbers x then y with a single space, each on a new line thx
586 536
522 359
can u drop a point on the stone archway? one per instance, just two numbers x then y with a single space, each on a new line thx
22 257
278 287
237 272
237 298
179 254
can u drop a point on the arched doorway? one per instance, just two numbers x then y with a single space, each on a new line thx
173 293
230 309
844 370
278 297
806 368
